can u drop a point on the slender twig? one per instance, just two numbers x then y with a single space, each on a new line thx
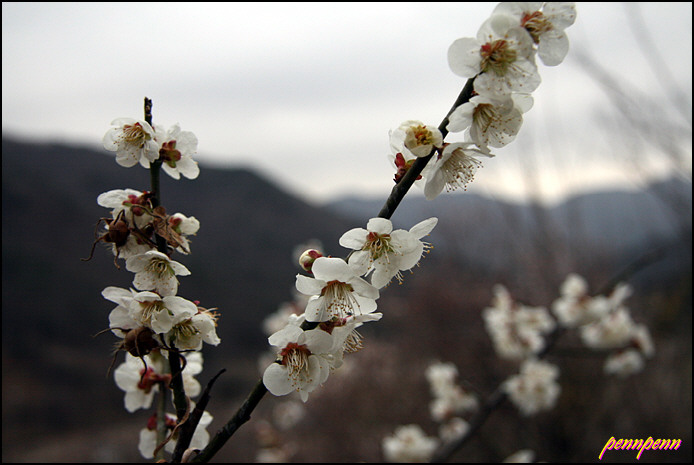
162 402
241 417
188 428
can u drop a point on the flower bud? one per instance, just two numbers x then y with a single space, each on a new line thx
308 257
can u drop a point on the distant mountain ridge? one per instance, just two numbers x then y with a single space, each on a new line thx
471 225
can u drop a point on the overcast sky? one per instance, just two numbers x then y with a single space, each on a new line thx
306 93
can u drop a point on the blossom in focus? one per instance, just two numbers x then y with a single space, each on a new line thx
346 339
490 120
120 318
140 383
336 291
501 57
176 153
416 138
183 226
158 313
190 333
155 271
384 252
454 167
409 444
130 202
133 141
535 389
546 27
301 365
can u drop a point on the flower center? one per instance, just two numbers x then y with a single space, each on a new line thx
378 245
295 358
536 24
135 134
149 309
184 330
160 267
497 56
459 170
422 135
483 116
338 299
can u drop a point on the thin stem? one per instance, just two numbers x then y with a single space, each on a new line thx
242 416
162 401
188 428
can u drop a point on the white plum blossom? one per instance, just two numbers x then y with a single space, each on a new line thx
184 226
302 365
454 167
613 331
383 251
189 334
624 363
535 389
453 429
336 291
501 57
489 119
410 444
449 399
545 27
129 202
176 153
120 316
158 313
416 138
148 436
155 271
516 330
141 382
133 141
346 339
575 307
521 456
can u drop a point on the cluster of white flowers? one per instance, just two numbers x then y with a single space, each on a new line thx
136 141
518 333
152 319
501 59
339 299
605 323
409 444
516 330
535 389
449 399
